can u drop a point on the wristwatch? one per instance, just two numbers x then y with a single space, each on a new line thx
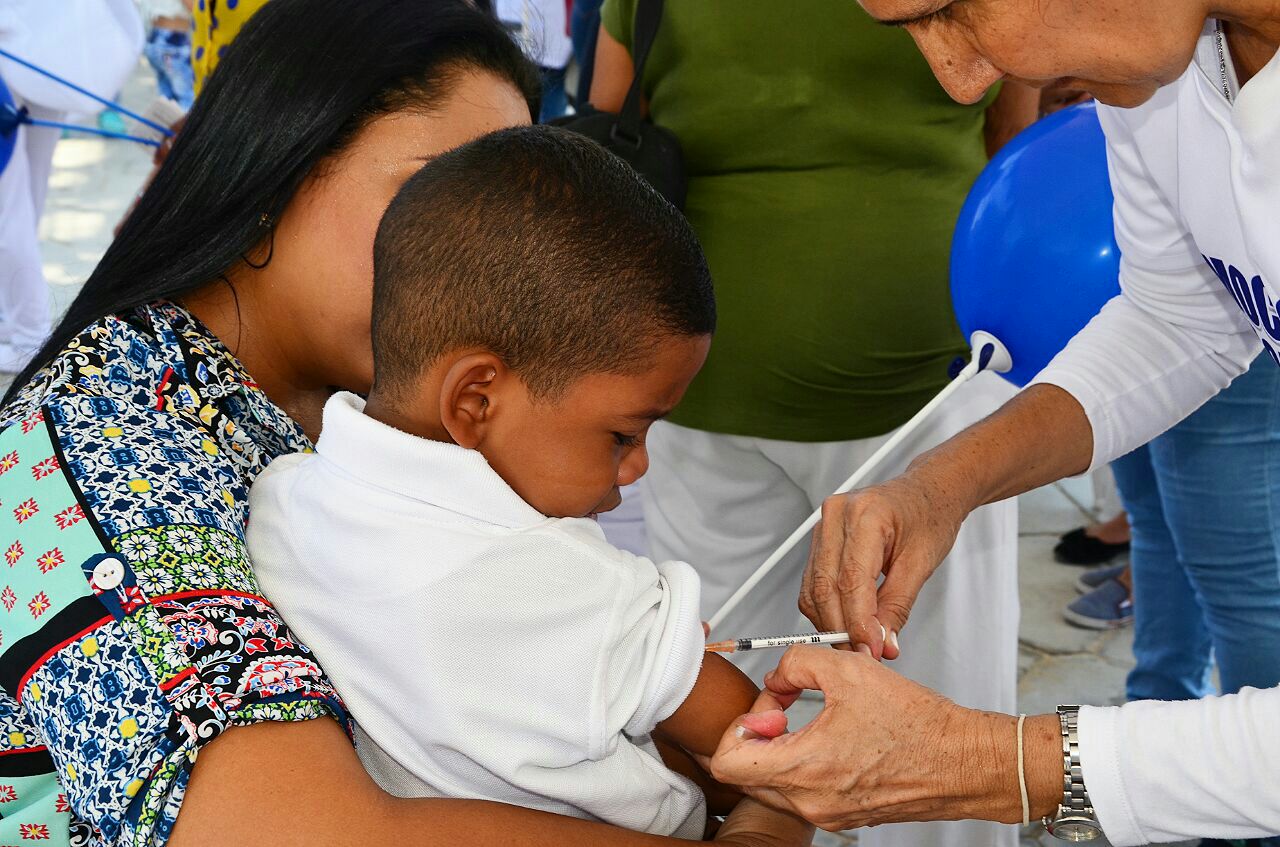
1075 820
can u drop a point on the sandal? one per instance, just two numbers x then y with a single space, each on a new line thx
1078 548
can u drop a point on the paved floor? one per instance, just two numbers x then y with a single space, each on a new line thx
95 180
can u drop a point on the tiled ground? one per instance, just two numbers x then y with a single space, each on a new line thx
95 180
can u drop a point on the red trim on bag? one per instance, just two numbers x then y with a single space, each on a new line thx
207 592
169 684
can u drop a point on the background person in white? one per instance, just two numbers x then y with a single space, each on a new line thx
542 28
1196 172
95 44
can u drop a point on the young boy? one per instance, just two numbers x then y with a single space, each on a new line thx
536 307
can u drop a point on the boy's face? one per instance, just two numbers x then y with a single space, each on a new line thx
568 457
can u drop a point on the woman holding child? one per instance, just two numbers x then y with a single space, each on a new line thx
150 693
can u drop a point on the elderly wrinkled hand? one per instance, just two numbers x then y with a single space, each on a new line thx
883 749
902 529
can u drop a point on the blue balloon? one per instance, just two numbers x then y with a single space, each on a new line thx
8 125
1034 255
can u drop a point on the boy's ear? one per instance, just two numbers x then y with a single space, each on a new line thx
467 397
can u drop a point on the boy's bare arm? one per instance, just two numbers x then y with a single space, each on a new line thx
720 695
721 799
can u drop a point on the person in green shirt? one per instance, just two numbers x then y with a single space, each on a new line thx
826 171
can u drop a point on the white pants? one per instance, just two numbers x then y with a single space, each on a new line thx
1106 498
24 294
725 502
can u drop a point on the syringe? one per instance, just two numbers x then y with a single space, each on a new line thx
738 645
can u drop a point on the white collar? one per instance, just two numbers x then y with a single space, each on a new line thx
1213 56
1250 109
443 475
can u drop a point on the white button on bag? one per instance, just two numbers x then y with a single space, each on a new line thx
108 574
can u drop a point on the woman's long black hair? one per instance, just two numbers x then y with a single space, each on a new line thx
299 81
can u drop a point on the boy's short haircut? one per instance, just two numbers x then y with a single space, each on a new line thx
537 245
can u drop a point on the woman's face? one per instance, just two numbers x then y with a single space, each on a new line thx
324 240
1120 51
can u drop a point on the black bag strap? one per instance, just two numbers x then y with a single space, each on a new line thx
648 17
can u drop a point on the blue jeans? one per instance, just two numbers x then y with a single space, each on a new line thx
1204 503
1204 506
584 28
169 52
554 100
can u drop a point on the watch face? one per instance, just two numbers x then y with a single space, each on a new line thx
1075 829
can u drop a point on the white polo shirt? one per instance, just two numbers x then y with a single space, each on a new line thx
1196 175
485 650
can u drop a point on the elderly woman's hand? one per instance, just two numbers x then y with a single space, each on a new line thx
902 529
883 750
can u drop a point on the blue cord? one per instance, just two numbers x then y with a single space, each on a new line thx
27 119
139 118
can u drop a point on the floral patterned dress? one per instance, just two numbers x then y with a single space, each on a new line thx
132 631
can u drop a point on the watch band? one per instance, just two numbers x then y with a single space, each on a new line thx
1075 819
1075 798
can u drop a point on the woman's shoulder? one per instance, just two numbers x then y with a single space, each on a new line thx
131 359
127 593
80 367
152 420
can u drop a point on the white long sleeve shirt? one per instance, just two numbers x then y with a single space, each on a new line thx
485 650
1196 176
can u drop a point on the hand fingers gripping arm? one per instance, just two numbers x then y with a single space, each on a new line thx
884 750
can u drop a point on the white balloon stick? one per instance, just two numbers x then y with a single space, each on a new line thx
997 360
